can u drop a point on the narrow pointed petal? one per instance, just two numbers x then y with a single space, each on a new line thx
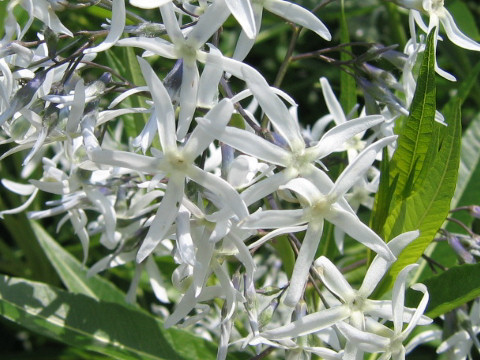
163 106
242 11
298 15
334 139
358 167
303 263
267 186
186 248
126 160
274 108
333 105
242 140
171 23
418 315
273 219
201 137
275 233
379 266
77 108
156 45
364 340
210 21
304 188
220 187
244 43
188 97
454 33
164 218
333 279
209 80
308 324
116 28
352 225
156 280
148 4
398 297
108 212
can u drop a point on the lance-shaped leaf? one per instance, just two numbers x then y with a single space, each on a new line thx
108 328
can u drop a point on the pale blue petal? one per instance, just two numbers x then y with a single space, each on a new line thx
156 45
188 97
243 12
164 218
352 225
163 106
308 324
298 15
273 219
303 263
116 28
358 167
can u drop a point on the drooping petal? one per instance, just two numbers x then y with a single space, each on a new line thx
274 108
245 43
418 315
163 107
454 33
164 218
379 266
298 15
220 187
398 298
273 219
156 280
188 97
333 279
303 263
116 28
201 136
242 11
148 4
358 167
334 139
156 45
77 108
209 80
352 225
308 324
333 105
242 140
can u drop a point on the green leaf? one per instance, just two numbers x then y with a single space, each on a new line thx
73 274
100 326
416 135
447 292
428 206
348 93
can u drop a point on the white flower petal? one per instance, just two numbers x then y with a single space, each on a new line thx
116 29
352 225
398 297
163 107
156 45
274 108
308 324
156 280
333 105
303 263
126 160
188 97
304 188
454 33
171 23
242 11
164 218
148 4
273 219
334 139
358 167
333 279
298 15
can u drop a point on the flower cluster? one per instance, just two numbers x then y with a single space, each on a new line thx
213 178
